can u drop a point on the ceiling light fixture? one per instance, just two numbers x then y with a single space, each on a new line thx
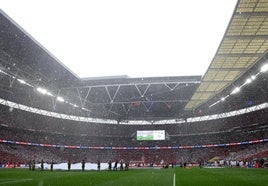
248 81
264 68
42 90
60 99
21 81
236 90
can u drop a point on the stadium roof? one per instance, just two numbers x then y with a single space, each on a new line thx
243 48
244 44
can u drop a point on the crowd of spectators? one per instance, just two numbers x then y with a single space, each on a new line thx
25 152
23 126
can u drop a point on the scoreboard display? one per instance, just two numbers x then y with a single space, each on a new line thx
151 135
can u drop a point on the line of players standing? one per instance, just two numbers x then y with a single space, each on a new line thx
121 167
32 165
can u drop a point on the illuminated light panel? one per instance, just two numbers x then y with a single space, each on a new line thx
264 68
21 81
60 99
248 81
49 94
253 77
236 90
41 90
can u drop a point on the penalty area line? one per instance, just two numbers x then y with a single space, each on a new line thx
14 181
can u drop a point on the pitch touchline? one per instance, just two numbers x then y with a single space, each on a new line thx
14 181
174 180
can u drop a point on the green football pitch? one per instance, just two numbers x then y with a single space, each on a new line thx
138 177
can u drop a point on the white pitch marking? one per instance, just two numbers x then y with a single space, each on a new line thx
174 180
14 181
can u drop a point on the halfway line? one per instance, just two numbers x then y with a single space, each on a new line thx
174 180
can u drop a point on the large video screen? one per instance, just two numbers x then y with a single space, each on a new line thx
151 135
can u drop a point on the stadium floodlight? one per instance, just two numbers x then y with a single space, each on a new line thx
75 105
24 82
236 90
83 108
253 77
214 104
2 72
264 68
21 81
42 90
49 94
60 99
248 81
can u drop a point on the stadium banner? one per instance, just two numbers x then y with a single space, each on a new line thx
133 148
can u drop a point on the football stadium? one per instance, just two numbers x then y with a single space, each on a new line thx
59 127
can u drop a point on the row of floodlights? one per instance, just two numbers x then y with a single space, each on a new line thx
58 98
263 69
41 90
46 92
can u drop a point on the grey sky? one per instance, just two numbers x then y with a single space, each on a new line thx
140 38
